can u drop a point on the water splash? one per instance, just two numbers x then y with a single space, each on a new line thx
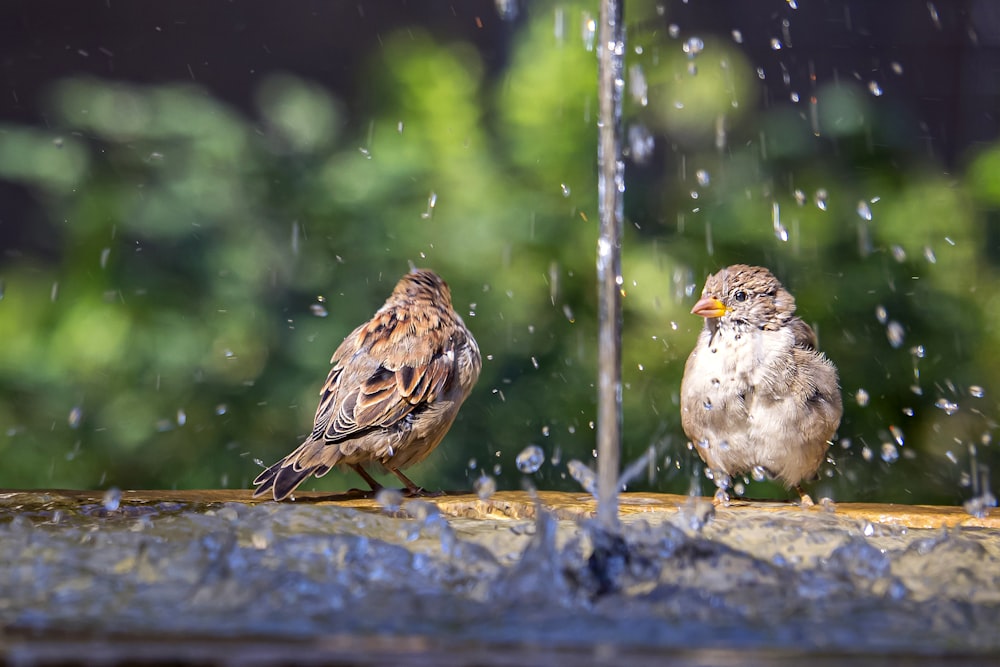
484 487
390 499
112 499
583 475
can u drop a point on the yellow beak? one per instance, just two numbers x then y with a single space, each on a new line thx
709 306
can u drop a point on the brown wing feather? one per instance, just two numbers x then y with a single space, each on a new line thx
392 390
805 337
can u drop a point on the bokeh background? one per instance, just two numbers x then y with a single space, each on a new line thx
198 201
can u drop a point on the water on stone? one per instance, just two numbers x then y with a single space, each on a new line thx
689 578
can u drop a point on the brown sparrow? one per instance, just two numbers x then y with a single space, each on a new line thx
757 396
395 388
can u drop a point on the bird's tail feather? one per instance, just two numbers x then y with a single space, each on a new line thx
286 475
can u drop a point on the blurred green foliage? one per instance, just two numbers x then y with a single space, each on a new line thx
207 263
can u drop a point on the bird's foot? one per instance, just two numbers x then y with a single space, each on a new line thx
721 497
805 501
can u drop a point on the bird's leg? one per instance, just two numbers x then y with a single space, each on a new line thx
411 488
365 476
804 499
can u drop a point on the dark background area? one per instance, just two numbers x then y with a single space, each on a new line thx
516 249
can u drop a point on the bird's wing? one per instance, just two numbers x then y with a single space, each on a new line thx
805 337
366 391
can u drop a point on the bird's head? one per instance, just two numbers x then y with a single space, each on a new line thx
745 294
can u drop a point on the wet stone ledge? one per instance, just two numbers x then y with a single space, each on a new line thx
214 577
505 504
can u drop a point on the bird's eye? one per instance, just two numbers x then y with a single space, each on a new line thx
740 296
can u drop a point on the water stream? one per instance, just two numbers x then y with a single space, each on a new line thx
611 195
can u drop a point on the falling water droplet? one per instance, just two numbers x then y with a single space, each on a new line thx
758 473
889 452
54 292
898 253
779 229
949 407
897 434
821 199
565 190
295 238
221 409
583 475
484 486
874 88
637 84
895 333
775 44
75 416
318 309
588 31
976 391
507 9
641 143
935 18
864 210
105 253
737 36
431 203
530 459
693 46
556 456
703 177
181 417
861 397
881 314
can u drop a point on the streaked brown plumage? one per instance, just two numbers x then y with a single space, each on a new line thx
395 388
757 395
